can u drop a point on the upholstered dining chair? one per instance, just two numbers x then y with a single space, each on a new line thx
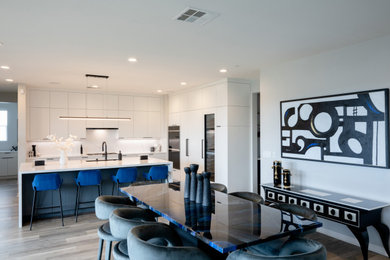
159 242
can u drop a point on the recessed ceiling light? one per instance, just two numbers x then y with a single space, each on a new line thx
223 70
9 80
132 59
159 90
4 67
183 83
93 86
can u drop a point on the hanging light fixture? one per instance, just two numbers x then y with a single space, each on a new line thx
95 86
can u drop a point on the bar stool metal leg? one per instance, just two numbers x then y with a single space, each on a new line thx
108 250
75 206
113 185
33 207
101 242
62 213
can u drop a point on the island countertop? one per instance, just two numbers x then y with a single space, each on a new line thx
77 165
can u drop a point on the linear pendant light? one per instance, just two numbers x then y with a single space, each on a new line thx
95 117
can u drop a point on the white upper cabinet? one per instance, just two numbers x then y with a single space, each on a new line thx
77 127
154 124
195 100
95 113
155 104
126 128
39 98
58 127
209 96
76 100
141 122
110 123
141 104
126 103
110 102
178 103
95 101
58 100
39 123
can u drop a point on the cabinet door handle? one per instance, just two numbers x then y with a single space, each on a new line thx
187 147
202 145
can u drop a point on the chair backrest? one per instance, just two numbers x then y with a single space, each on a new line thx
254 197
105 204
218 187
159 241
49 181
296 209
124 219
91 177
158 172
126 175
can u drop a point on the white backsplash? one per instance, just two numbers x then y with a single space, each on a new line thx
93 144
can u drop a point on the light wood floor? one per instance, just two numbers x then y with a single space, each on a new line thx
49 240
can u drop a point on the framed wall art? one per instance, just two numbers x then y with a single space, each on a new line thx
350 128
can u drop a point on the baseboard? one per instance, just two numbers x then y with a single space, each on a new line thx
352 240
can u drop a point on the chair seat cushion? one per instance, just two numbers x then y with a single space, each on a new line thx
104 232
120 251
300 247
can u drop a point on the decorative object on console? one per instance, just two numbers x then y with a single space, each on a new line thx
64 146
348 128
277 168
187 184
286 178
194 169
206 190
199 189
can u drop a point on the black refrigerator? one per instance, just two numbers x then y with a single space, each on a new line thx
174 146
209 136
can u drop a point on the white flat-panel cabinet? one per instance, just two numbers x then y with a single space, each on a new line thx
154 104
125 103
58 127
95 123
58 100
126 128
77 100
141 121
195 136
8 164
141 103
95 101
39 98
111 123
154 124
77 127
111 102
12 165
39 123
3 166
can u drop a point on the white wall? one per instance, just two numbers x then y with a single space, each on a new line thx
358 67
12 131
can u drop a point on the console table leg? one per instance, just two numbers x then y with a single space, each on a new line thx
383 231
362 236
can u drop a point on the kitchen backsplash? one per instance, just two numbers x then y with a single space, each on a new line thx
93 144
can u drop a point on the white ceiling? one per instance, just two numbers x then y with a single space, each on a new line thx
60 41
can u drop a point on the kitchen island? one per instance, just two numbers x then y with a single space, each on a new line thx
68 173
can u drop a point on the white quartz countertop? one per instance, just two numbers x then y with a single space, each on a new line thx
78 165
56 156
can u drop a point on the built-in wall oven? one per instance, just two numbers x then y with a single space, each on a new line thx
174 145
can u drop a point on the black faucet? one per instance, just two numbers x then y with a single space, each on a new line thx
104 149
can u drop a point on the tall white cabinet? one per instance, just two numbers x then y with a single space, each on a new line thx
229 100
45 107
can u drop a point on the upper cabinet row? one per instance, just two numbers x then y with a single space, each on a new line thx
45 107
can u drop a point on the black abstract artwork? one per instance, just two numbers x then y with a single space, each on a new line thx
349 128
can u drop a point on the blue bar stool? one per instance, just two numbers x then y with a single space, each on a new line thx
123 175
157 173
44 182
87 178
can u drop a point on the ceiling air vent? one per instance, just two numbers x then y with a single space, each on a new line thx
195 15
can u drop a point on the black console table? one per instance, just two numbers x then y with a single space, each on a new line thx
357 213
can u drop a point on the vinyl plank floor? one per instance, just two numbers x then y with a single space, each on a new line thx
49 240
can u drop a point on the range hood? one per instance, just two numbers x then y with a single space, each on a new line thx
94 118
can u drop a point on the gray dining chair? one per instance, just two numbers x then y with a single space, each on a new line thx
218 187
254 197
104 205
122 220
159 242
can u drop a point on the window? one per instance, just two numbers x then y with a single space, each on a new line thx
3 125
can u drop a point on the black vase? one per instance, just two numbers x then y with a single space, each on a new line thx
199 189
194 169
187 183
206 190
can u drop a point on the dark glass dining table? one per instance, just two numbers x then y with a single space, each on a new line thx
230 223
